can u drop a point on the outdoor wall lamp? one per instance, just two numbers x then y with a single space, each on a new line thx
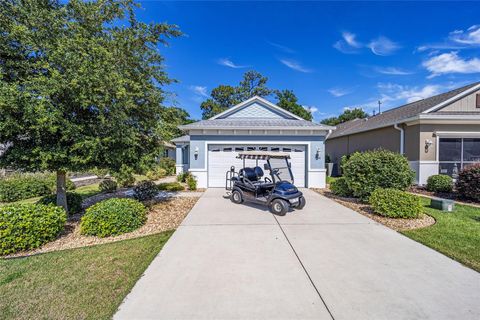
195 153
318 153
428 143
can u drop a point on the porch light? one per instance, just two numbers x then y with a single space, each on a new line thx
318 153
428 143
195 153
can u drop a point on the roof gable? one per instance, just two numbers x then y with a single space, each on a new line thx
256 108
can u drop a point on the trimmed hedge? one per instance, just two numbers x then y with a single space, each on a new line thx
74 201
145 190
439 183
170 186
395 203
28 185
113 217
108 186
366 171
29 226
340 188
468 182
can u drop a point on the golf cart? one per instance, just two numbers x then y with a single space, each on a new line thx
276 191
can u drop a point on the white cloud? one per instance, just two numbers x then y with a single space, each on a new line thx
395 94
456 40
451 63
229 63
199 90
339 92
348 44
392 71
382 46
281 47
312 109
295 65
469 37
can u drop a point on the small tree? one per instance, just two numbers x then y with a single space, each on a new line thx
79 89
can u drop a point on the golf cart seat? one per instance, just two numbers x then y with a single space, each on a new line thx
254 175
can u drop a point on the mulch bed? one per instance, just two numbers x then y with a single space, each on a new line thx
166 214
398 224
445 195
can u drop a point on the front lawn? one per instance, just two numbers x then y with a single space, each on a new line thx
455 234
85 283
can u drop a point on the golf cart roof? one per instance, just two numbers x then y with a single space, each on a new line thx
262 155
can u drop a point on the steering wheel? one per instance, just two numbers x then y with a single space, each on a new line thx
267 179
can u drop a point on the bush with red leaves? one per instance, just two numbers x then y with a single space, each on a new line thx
468 182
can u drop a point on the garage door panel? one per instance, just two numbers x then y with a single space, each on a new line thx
222 157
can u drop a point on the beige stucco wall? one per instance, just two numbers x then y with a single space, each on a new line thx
412 142
427 132
386 138
467 103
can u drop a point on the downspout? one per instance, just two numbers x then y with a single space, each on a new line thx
402 137
328 134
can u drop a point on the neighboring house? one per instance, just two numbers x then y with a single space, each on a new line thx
169 150
440 134
211 146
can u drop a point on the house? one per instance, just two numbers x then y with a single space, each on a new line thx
169 150
211 146
438 135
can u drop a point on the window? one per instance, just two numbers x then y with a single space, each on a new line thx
478 100
251 148
227 149
239 149
263 148
456 153
287 149
275 149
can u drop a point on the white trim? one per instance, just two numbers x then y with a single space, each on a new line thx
292 128
457 134
252 99
453 99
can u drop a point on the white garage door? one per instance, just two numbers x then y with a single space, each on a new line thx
222 157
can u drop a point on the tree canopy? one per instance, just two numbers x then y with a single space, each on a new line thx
347 115
252 84
80 86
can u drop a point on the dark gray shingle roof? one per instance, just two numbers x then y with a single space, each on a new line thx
255 123
392 116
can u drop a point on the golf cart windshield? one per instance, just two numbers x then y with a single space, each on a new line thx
280 169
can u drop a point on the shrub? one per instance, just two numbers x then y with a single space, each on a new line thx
113 217
168 164
364 172
29 226
468 182
440 183
340 188
107 185
192 183
183 177
156 173
394 203
74 201
145 190
22 187
170 186
124 177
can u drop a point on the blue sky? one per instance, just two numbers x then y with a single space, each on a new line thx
331 54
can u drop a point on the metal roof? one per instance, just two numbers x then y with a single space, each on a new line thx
392 116
255 124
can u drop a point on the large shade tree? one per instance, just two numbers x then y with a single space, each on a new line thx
80 86
347 115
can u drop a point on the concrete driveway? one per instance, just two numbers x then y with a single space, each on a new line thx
230 261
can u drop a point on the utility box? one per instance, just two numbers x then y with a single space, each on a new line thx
442 204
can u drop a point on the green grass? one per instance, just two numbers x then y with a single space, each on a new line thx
455 234
85 283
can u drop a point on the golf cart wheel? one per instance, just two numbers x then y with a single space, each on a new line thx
301 203
236 197
279 207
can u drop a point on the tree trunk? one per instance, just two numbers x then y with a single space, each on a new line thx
62 189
